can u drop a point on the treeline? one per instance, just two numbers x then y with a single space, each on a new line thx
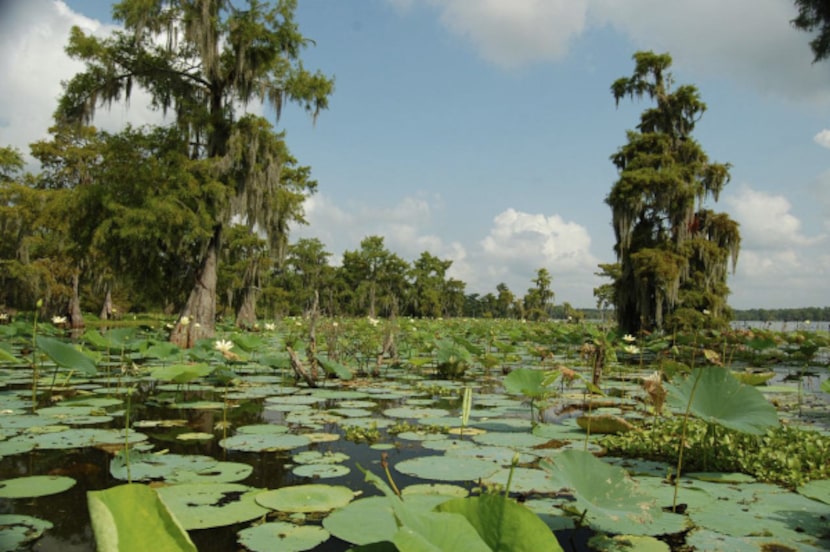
815 314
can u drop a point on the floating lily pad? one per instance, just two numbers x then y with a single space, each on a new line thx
35 485
205 505
512 440
147 467
414 412
439 489
605 424
317 457
306 498
447 468
264 442
720 477
817 490
219 472
320 471
262 429
16 531
523 480
627 543
282 536
195 436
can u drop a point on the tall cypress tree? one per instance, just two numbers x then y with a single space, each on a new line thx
674 253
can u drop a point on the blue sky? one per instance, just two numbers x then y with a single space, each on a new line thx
481 130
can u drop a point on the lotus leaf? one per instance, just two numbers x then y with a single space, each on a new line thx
335 368
264 442
627 543
282 536
306 498
181 373
66 356
503 524
714 395
131 518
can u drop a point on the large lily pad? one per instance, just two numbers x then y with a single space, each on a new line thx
447 468
204 505
612 500
35 485
306 498
714 395
264 442
282 536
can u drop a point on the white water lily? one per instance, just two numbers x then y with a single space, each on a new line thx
223 345
270 326
58 320
374 321
184 321
3 316
628 338
631 349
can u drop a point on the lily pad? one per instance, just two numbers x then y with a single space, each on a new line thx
35 485
817 490
205 505
264 442
16 531
306 498
282 536
447 468
321 471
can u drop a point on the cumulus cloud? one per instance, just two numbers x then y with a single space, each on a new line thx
33 63
777 261
520 243
823 138
766 221
763 51
518 32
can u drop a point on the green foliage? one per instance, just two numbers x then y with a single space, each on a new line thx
784 455
131 517
452 358
66 356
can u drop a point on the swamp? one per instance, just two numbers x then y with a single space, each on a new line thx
413 434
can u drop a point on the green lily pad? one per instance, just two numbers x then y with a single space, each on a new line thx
447 468
317 457
306 498
414 412
264 442
35 485
321 471
612 499
524 480
205 505
720 477
147 467
282 536
817 490
627 543
16 531
512 440
439 489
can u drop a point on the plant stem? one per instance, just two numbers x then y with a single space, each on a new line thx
683 440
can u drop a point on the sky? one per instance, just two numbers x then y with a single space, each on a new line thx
481 130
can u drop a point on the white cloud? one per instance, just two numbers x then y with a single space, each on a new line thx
777 263
823 138
766 221
33 63
711 37
518 32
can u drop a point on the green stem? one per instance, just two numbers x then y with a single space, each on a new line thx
683 440
127 436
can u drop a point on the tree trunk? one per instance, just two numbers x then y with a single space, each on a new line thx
198 318
246 316
106 310
76 319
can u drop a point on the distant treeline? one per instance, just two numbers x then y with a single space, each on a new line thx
815 314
